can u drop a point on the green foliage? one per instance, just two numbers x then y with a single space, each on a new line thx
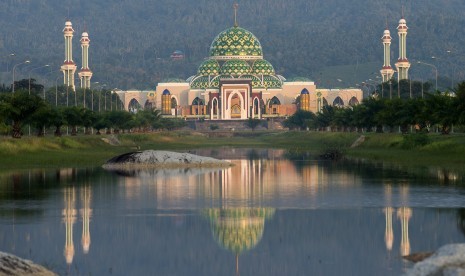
253 123
300 120
214 127
415 140
172 123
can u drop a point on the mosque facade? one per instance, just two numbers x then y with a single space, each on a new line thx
237 82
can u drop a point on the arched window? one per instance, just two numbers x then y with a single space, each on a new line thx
174 103
338 102
197 101
148 105
353 101
325 102
274 101
134 106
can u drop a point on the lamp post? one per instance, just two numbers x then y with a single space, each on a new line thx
435 69
30 71
9 55
14 68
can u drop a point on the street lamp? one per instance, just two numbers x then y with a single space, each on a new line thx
9 55
435 69
30 71
14 68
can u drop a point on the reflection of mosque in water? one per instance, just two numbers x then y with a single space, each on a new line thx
69 218
238 229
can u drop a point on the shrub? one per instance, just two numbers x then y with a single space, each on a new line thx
414 140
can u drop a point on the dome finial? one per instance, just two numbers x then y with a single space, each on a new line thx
235 14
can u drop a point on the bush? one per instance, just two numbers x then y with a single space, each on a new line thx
414 140
214 127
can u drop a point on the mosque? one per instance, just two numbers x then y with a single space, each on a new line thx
235 82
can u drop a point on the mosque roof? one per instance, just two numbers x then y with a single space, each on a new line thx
236 67
236 42
262 67
209 67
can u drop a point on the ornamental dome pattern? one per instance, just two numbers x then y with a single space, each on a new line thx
200 83
236 42
272 82
236 67
256 82
208 68
262 67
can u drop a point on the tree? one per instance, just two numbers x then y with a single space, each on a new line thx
253 123
73 117
57 119
301 119
19 107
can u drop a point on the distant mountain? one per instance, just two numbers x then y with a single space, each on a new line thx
132 40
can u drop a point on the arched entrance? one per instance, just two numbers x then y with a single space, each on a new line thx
256 110
273 105
198 107
214 109
236 107
174 106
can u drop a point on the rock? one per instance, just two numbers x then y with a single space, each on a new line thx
13 265
448 260
418 257
162 159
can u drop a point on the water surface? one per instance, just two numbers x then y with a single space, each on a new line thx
267 215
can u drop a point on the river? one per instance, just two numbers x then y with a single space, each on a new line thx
273 213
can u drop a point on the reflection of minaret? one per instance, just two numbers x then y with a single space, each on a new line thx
389 234
388 211
86 213
404 214
85 75
402 63
69 217
69 67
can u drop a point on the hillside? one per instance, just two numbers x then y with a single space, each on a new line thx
131 40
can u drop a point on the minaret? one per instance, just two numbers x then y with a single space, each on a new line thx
402 63
69 67
85 74
387 71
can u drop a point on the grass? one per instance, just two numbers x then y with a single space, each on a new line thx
87 151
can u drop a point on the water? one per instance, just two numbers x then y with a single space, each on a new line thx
267 215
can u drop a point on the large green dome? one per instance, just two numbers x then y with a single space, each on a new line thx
236 42
236 67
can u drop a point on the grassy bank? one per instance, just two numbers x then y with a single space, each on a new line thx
80 151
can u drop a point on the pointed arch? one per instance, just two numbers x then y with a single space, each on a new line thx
353 101
134 105
338 102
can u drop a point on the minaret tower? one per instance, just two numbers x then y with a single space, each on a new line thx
69 67
402 63
85 74
387 71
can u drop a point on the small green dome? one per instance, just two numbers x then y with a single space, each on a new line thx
208 68
236 42
271 82
256 82
199 83
262 67
236 67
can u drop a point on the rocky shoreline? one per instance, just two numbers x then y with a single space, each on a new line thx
13 265
448 260
162 159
